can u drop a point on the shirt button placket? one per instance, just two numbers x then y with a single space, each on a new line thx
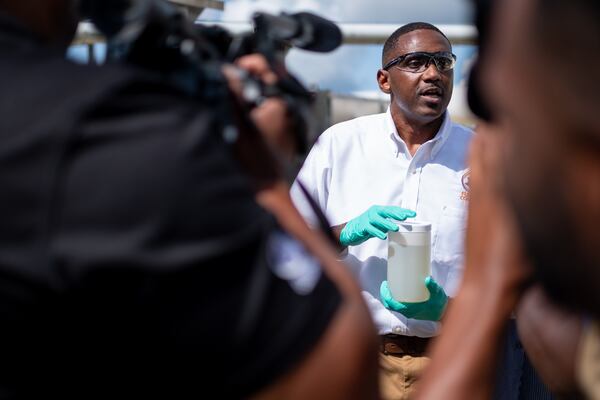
411 188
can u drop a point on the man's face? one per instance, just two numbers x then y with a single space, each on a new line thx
552 180
424 96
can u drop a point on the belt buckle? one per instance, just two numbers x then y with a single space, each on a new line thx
392 348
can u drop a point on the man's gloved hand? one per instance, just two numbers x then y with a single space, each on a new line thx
430 310
373 223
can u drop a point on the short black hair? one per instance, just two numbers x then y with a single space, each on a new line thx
391 42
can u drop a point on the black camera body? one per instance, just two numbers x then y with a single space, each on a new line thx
154 35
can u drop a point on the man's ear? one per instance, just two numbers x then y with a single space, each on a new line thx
383 81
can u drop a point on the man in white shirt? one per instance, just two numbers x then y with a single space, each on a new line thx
369 171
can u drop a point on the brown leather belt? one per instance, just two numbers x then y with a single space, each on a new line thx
400 345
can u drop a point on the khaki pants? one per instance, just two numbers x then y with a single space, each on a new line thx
398 374
588 361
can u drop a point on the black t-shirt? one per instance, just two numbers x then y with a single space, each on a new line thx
133 258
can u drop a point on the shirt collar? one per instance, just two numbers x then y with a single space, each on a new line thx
442 135
436 143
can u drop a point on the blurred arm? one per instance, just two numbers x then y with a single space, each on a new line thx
550 336
464 356
329 370
342 365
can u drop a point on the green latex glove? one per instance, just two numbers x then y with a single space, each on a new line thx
373 223
430 310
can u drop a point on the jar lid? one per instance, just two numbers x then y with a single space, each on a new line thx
413 226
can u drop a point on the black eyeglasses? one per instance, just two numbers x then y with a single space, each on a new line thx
419 61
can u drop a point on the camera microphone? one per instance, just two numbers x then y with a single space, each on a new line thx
303 30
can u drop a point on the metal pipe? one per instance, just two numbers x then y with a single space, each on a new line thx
370 33
378 33
353 33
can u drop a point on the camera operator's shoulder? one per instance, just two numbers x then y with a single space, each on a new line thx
57 82
135 93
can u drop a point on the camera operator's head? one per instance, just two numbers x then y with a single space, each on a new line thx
54 21
540 72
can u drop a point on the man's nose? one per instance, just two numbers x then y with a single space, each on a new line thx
431 73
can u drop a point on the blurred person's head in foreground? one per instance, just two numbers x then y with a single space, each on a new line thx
539 76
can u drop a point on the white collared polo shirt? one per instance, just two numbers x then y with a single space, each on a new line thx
363 162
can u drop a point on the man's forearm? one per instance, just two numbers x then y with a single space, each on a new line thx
550 336
325 371
337 231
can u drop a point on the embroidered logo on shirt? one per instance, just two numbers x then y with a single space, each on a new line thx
464 195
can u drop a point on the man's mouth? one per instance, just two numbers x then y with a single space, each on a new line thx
433 94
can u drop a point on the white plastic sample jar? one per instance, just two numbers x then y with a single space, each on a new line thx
409 261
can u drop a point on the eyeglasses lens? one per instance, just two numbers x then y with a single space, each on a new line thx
420 62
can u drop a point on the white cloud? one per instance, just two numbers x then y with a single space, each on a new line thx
241 10
347 69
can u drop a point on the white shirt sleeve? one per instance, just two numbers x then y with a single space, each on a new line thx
315 175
